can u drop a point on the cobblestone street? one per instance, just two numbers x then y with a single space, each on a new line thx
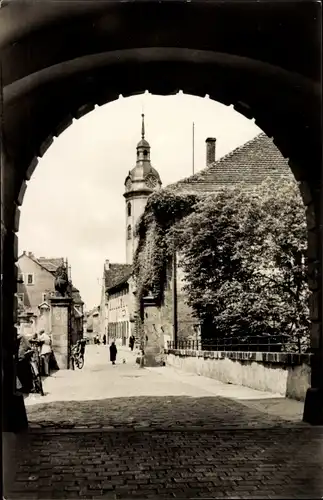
125 395
124 432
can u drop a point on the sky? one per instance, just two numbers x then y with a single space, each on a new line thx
74 205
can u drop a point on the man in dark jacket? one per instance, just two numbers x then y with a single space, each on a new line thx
132 342
113 353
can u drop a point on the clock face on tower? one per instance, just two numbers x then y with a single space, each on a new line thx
151 181
128 184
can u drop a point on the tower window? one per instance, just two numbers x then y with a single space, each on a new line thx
129 209
129 232
145 152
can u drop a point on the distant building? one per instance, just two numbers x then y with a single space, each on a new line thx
93 323
36 283
77 316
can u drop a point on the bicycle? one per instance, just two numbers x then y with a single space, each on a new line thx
34 361
77 354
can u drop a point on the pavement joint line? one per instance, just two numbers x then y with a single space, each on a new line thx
88 430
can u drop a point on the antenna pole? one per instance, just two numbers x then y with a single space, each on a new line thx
193 155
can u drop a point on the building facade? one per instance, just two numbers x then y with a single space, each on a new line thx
36 283
248 166
121 310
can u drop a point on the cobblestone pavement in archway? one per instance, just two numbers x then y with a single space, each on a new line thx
124 432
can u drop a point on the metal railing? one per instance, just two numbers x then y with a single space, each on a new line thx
255 343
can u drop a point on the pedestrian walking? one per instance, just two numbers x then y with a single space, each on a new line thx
113 353
45 350
132 342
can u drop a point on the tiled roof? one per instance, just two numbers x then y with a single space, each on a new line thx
116 274
77 296
50 264
250 164
121 281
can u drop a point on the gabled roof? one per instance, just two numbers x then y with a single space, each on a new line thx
77 296
45 303
122 281
50 264
250 164
116 273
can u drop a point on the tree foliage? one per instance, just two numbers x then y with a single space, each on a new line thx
243 255
244 260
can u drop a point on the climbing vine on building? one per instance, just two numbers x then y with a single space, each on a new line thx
243 255
164 209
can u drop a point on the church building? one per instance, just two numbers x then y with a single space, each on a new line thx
118 301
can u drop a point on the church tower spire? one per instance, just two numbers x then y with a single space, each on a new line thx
141 181
142 126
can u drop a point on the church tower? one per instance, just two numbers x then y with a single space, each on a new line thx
141 181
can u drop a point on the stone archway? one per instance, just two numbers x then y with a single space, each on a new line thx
61 62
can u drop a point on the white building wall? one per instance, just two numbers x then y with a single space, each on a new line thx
138 204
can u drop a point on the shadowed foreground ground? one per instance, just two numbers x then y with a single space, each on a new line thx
125 432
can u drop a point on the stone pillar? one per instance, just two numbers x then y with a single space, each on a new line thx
154 335
60 322
13 409
14 418
313 407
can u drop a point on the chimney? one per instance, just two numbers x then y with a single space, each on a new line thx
30 254
106 265
210 150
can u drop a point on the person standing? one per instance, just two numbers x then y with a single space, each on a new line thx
113 353
104 339
45 350
23 366
132 342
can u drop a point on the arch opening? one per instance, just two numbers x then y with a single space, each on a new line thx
284 106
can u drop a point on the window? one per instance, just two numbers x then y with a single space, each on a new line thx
43 295
30 279
20 297
129 209
20 278
145 153
129 232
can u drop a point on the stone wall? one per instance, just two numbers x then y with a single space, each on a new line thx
163 318
282 373
155 336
